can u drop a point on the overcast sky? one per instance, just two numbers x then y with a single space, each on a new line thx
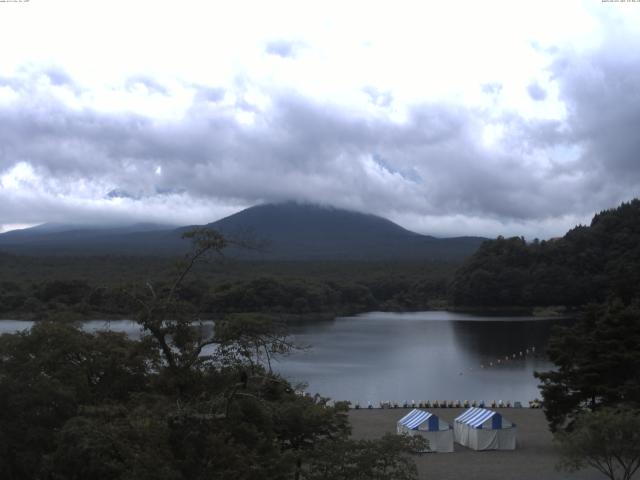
450 118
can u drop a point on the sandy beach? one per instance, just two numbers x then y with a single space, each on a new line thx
535 457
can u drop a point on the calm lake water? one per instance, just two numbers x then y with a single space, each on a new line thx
401 357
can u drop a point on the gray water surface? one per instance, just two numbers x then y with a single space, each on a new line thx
401 357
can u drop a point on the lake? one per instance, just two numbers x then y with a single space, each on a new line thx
401 357
437 355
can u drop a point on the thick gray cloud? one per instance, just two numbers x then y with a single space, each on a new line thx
602 92
431 171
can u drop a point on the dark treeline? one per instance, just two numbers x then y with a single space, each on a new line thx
101 286
588 265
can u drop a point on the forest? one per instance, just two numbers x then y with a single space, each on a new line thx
99 287
590 264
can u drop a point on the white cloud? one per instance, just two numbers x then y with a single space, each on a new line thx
448 117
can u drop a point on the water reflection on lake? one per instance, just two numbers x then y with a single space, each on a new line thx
421 356
405 356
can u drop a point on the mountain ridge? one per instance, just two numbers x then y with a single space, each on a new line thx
291 231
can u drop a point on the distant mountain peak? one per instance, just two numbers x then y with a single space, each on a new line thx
291 231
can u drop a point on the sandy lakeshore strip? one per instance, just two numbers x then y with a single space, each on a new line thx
535 456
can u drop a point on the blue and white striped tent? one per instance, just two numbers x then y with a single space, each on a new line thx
437 432
483 429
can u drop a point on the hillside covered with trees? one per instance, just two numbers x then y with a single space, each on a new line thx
589 264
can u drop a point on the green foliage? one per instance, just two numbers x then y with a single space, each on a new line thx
48 375
109 443
364 459
597 363
75 405
587 265
250 339
607 440
49 288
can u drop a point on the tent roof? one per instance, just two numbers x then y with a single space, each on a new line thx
475 416
415 418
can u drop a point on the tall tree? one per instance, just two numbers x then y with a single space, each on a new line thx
598 364
607 440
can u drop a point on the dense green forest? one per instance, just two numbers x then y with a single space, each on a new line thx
589 264
43 287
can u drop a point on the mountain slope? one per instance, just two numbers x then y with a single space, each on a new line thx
295 232
287 232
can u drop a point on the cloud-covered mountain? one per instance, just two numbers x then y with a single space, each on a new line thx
286 231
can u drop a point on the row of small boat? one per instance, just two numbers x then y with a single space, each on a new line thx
451 404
